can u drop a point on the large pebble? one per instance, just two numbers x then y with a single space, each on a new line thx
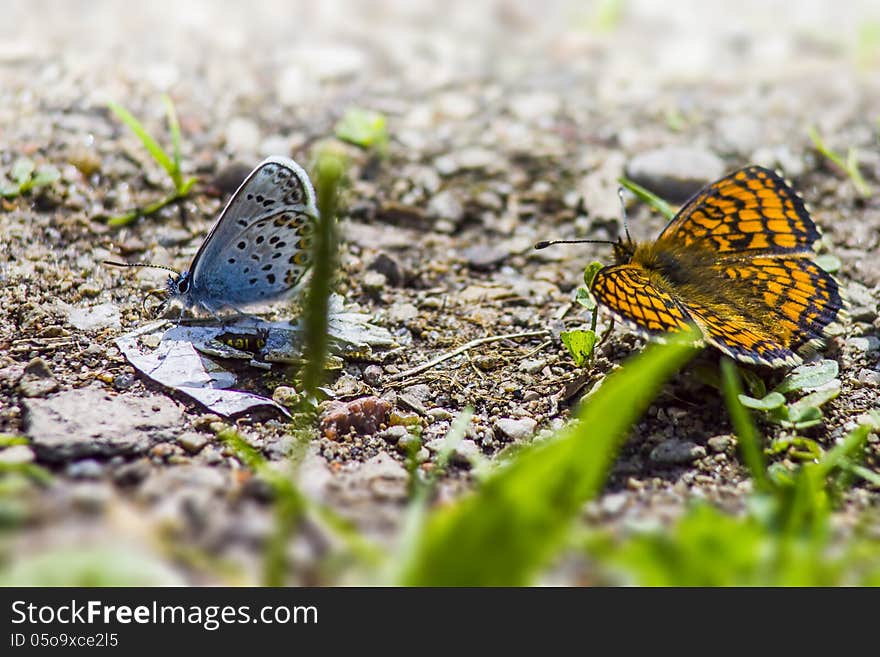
81 423
675 172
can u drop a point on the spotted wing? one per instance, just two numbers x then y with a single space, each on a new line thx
258 248
629 292
797 298
752 210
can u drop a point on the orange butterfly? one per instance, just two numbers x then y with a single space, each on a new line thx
736 262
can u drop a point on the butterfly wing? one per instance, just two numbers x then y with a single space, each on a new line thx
799 298
258 249
630 292
751 210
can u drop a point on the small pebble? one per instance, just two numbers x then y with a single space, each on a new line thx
17 454
720 443
515 430
84 469
286 396
675 452
192 441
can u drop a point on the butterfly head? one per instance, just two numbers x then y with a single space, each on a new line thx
178 285
624 249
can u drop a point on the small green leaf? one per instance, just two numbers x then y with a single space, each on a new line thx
46 175
364 128
809 377
816 399
797 447
579 344
803 417
584 298
829 262
590 273
768 402
9 190
648 197
22 170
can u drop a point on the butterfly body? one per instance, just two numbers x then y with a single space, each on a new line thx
735 261
258 249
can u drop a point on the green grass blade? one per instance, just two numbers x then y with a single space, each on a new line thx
648 197
849 166
507 530
174 127
146 138
749 442
329 170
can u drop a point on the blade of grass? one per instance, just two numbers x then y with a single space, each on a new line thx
146 138
849 166
416 511
749 442
174 127
648 197
503 533
329 169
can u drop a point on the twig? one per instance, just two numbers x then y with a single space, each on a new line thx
463 348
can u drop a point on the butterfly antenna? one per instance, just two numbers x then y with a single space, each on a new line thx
113 263
545 244
623 213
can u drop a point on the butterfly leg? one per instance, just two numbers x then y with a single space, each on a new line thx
211 309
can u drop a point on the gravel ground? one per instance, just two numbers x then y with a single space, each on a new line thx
509 123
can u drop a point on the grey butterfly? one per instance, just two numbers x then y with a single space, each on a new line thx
258 249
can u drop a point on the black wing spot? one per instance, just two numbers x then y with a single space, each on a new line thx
250 197
276 255
247 270
252 281
271 279
242 223
273 239
266 267
280 245
241 244
260 239
256 257
268 202
231 261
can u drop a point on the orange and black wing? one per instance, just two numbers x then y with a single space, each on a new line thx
800 297
742 338
752 210
628 291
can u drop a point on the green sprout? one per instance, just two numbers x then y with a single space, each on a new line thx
849 165
581 343
364 128
26 176
171 163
